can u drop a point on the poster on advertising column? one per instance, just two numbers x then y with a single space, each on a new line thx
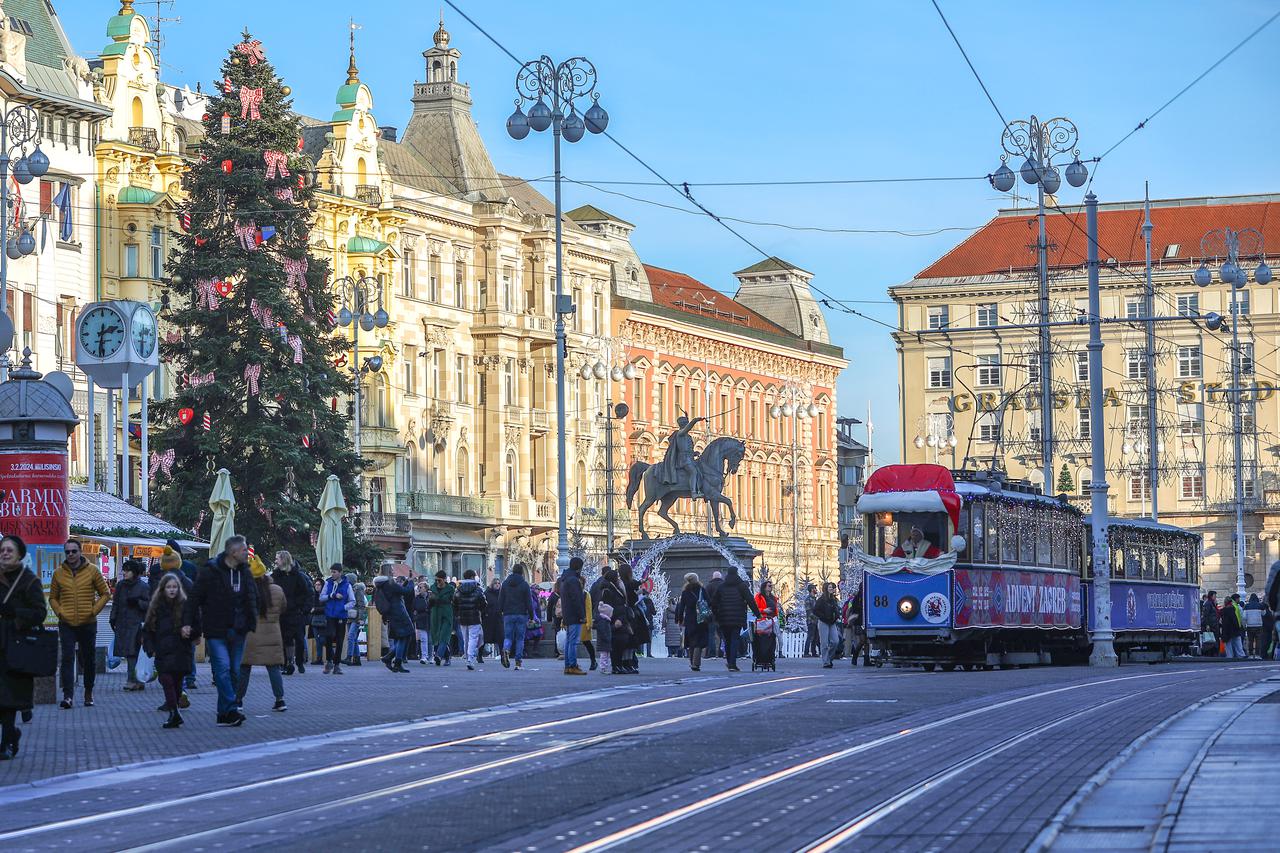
1000 598
33 505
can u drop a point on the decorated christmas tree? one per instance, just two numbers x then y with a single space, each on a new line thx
248 329
1066 483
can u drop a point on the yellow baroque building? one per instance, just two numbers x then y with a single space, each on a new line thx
459 423
970 389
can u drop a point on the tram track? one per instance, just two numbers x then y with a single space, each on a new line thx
903 797
499 735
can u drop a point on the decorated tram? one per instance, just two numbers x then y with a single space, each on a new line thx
985 572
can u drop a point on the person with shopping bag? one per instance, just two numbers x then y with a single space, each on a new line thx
128 610
22 608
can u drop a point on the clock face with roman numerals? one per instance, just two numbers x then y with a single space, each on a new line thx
101 332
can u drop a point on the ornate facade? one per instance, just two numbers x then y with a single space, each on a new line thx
970 372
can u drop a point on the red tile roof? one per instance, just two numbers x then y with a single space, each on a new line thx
685 293
1008 241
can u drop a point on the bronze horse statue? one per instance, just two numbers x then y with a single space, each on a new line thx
721 457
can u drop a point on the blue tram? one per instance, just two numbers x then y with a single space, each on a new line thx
987 572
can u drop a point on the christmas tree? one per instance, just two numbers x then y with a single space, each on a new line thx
248 329
1066 483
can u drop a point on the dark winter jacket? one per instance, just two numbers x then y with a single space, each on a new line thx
470 602
1209 617
337 597
397 600
492 619
422 611
730 602
1231 627
573 599
128 609
710 590
513 597
1271 592
164 641
186 574
24 609
216 606
299 597
616 598
695 632
441 612
826 609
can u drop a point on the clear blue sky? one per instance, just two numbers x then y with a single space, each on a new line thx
745 90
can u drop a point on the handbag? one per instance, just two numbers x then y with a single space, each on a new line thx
764 626
32 652
704 609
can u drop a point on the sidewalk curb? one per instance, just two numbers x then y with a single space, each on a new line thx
1047 836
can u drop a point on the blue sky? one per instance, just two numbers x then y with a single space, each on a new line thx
749 91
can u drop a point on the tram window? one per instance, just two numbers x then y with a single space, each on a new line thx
1059 544
962 530
1149 565
1162 566
1027 539
1132 564
1044 556
1073 554
1008 535
978 541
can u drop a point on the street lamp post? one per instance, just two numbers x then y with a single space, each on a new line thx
19 127
1042 143
357 296
1229 245
797 407
563 84
938 441
611 367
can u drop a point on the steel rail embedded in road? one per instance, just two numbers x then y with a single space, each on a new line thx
888 806
403 787
85 820
679 814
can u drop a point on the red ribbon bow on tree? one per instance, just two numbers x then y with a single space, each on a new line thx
276 164
283 193
195 380
296 343
251 374
252 50
162 462
246 234
250 100
206 295
295 269
262 315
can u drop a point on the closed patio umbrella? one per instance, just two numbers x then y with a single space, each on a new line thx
332 510
223 504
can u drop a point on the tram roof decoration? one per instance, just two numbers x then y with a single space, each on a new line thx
911 488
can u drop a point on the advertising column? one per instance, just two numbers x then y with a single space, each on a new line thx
33 504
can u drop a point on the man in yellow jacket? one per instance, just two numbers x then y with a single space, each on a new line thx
77 595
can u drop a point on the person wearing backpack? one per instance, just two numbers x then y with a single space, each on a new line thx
693 613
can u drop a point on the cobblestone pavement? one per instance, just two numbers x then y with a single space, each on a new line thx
805 758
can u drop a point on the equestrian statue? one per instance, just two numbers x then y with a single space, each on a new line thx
685 474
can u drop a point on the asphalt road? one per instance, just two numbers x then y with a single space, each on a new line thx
804 759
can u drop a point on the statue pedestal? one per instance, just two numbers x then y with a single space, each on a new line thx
679 555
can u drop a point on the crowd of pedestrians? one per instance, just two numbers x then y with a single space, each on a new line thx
1243 629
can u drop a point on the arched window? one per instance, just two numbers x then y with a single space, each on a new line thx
580 482
511 475
362 172
437 71
137 112
453 71
462 474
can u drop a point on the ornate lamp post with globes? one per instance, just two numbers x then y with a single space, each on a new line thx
19 127
542 80
612 366
1229 246
1045 146
357 296
797 406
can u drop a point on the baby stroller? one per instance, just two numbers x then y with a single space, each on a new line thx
764 645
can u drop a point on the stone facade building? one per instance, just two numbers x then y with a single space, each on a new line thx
970 374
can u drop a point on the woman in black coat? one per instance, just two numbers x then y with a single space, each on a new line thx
162 639
22 606
492 619
613 594
319 628
636 620
128 609
695 632
422 622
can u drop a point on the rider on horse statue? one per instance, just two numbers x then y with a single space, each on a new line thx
679 457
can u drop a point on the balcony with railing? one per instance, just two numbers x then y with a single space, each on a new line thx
458 507
144 137
384 523
539 420
369 193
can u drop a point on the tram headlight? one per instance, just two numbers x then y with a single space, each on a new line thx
908 607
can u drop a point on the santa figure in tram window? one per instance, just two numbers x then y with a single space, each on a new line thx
916 546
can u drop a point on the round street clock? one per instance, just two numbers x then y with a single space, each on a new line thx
142 332
101 332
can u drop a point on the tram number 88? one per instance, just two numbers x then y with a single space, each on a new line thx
880 601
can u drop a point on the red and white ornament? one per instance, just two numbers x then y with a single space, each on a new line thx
207 422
